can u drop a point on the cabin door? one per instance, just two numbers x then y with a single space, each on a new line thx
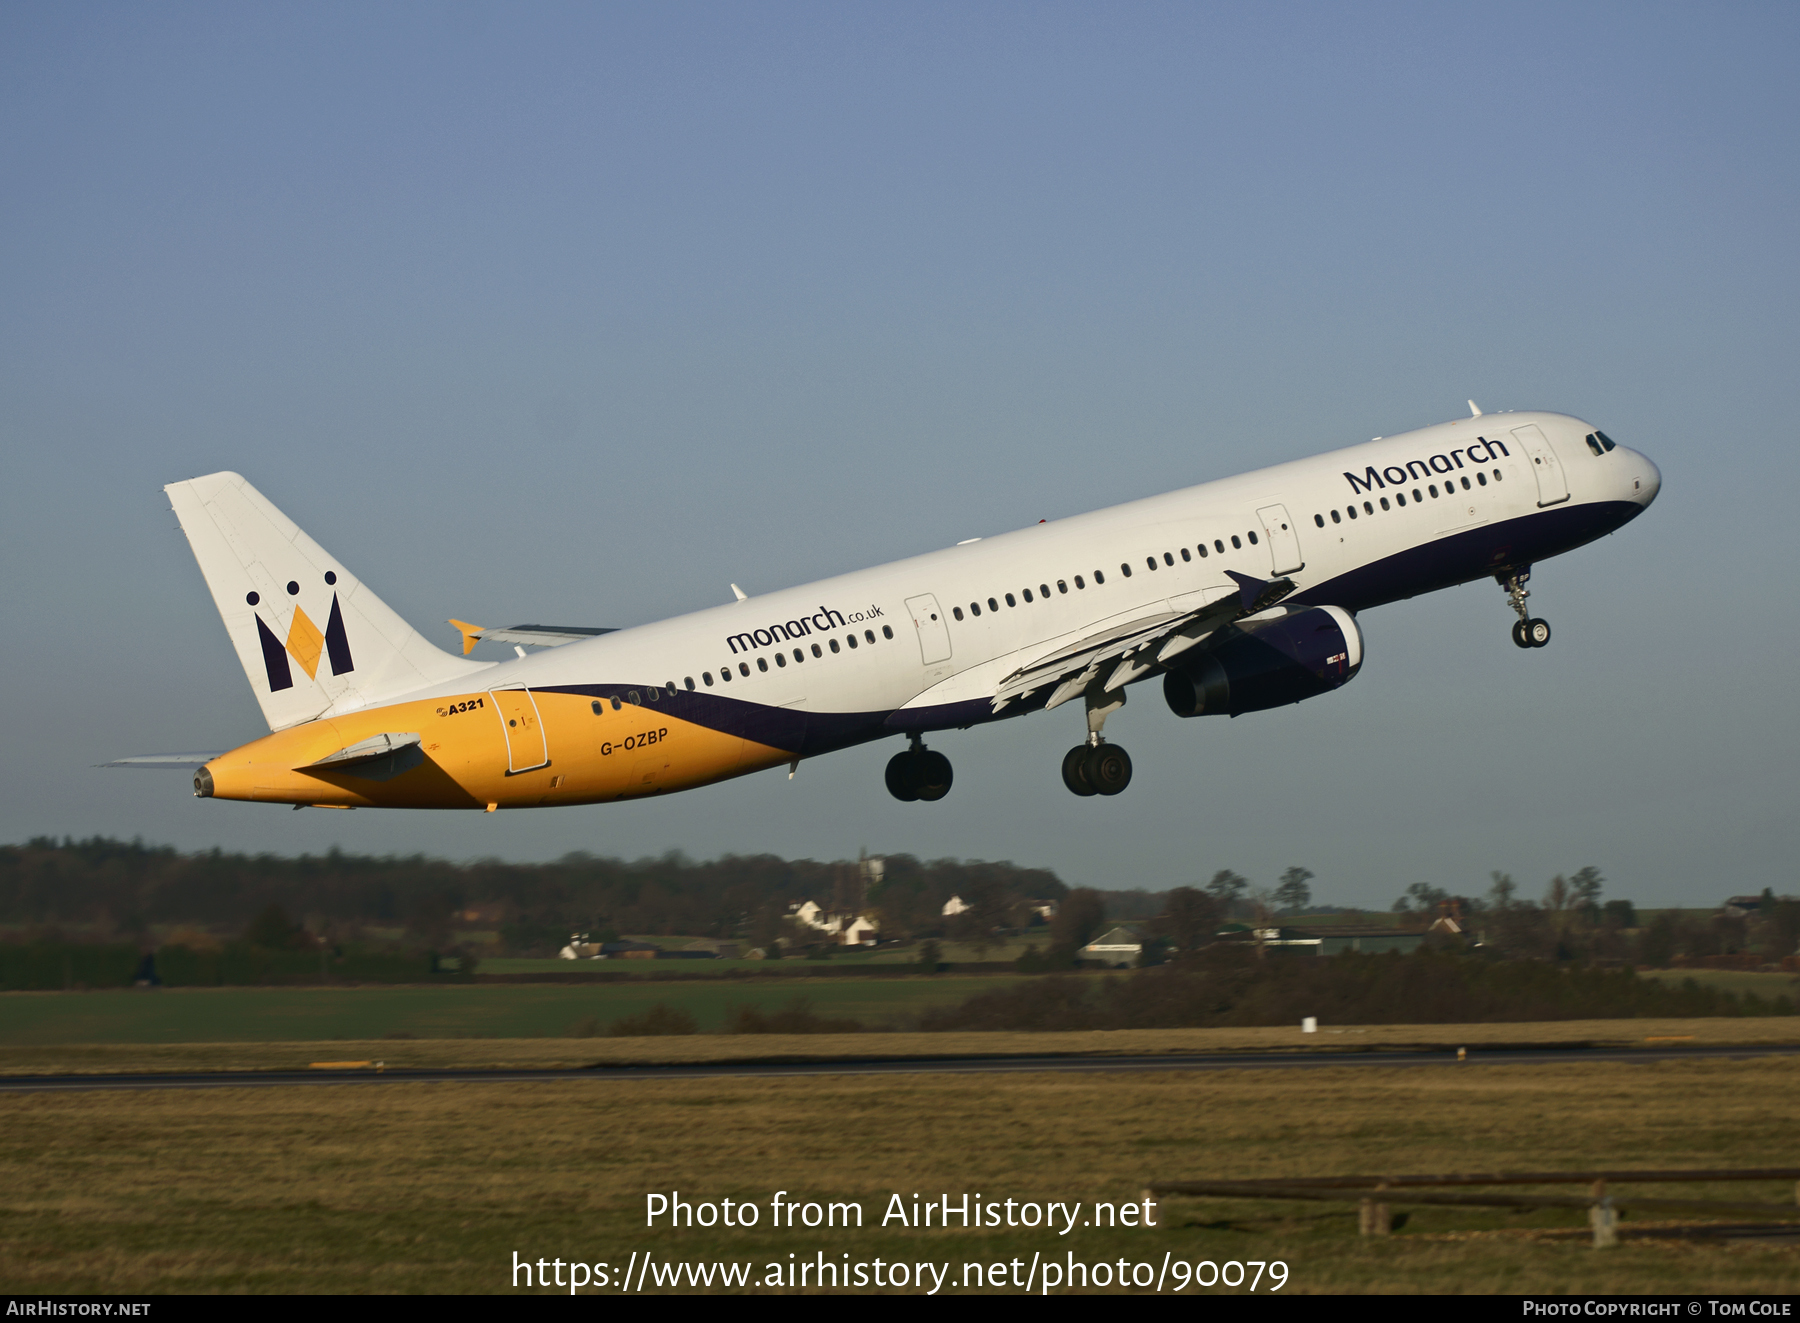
1284 542
1553 485
525 748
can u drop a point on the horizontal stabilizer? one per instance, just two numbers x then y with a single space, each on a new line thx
367 751
542 636
179 762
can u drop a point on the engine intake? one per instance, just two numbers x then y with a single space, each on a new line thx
1261 664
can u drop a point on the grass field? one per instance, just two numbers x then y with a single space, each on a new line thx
1764 983
421 1188
530 1010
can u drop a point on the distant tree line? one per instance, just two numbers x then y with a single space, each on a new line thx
109 889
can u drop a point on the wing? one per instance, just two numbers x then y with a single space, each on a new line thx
1122 653
542 636
180 762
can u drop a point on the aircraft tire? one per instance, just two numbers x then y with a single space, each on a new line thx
935 775
1537 633
1074 773
1107 768
903 777
1518 634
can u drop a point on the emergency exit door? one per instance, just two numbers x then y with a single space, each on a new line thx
1284 541
933 630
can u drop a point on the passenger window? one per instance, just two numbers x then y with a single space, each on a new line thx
1043 592
1418 496
1319 519
688 680
887 632
1125 569
1252 536
1025 593
1236 545
975 608
1335 518
869 635
799 656
1350 510
1384 503
832 643
616 705
1202 550
781 659
1593 444
956 611
1606 440
992 606
816 652
1368 509
1218 546
1170 560
706 678
1062 586
744 668
1496 475
1400 499
1188 556
1151 562
1010 601
762 664
1433 490
1465 483
1078 582
655 695
597 707
1481 478
851 640
635 700
1099 578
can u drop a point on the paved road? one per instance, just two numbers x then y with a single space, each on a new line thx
905 1066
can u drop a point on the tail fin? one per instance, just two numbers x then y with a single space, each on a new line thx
309 635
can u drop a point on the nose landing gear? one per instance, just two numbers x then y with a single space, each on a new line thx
918 773
1098 768
1527 631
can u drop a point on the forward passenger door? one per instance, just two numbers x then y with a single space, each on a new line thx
1553 484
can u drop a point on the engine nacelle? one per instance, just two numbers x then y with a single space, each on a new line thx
1267 663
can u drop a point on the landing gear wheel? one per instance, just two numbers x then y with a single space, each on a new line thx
902 777
934 775
1518 633
1074 770
1536 633
1107 768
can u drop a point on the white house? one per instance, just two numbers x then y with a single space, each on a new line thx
1119 948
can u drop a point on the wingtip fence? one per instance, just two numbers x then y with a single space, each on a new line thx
1375 1196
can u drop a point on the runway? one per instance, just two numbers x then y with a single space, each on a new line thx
976 1065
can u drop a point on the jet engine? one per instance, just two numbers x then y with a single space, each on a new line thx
1259 664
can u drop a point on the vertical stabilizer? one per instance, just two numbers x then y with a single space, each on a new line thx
310 636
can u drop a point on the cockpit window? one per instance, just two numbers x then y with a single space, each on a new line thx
1606 440
1594 444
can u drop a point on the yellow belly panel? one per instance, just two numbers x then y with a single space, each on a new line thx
591 753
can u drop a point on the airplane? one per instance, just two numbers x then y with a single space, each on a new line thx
1237 595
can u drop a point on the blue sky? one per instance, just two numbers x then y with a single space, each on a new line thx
581 313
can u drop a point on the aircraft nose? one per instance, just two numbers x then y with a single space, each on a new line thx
1646 479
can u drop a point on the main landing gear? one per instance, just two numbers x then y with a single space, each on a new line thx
918 773
1098 768
1527 631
